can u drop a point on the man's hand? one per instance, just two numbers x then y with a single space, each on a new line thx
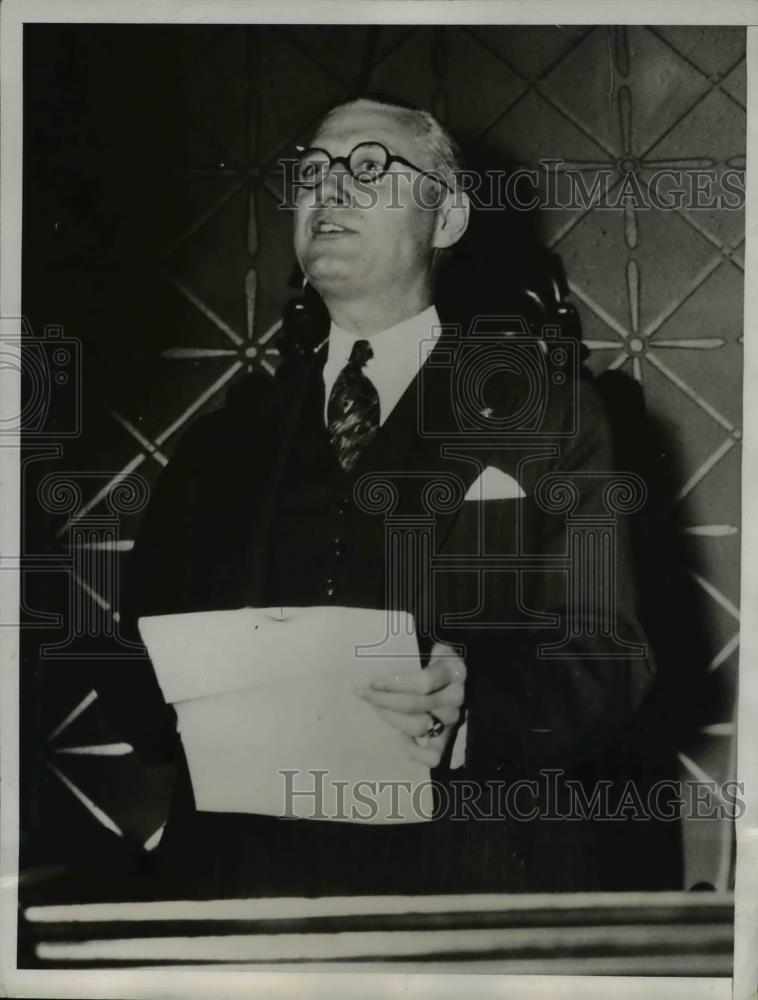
405 701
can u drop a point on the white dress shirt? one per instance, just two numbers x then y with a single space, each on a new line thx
399 352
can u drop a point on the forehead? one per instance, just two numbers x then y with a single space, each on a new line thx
363 122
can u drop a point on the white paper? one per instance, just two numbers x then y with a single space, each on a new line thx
261 691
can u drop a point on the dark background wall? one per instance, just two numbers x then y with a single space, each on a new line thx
152 235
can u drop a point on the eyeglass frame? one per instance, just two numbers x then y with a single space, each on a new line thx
391 158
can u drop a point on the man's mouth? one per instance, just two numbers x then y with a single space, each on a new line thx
326 227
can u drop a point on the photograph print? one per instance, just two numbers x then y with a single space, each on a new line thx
379 453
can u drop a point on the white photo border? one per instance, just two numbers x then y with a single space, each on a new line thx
169 982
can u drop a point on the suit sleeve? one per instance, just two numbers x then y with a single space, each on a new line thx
165 573
528 710
153 584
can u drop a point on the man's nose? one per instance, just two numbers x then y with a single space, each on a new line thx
331 190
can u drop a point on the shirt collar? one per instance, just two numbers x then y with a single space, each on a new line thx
398 345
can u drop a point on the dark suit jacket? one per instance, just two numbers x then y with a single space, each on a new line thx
499 582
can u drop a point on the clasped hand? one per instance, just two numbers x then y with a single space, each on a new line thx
405 701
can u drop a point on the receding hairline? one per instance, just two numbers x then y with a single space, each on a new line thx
422 126
406 117
407 113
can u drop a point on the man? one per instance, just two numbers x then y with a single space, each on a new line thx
269 503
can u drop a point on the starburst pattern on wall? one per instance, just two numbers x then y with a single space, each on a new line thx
634 275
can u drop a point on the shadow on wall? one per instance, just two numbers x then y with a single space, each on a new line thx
500 257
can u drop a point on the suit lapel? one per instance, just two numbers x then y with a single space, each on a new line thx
442 448
440 452
424 449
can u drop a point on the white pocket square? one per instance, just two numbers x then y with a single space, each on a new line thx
494 484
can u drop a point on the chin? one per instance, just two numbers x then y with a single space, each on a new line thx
332 274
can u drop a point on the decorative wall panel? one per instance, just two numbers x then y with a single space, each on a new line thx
152 235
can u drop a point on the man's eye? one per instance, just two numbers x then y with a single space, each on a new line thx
368 169
309 171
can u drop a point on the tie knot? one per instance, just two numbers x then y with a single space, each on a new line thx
360 354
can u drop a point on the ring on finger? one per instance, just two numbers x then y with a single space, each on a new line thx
435 726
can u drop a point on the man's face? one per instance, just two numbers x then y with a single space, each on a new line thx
385 245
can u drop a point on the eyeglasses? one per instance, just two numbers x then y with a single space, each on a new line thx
367 162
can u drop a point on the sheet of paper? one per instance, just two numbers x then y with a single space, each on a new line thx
269 716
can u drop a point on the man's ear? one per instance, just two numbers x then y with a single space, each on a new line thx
452 219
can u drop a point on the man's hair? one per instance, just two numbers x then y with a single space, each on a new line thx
445 151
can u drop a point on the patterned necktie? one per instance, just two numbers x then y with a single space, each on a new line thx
353 410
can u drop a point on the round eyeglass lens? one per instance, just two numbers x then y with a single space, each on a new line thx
368 161
312 166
